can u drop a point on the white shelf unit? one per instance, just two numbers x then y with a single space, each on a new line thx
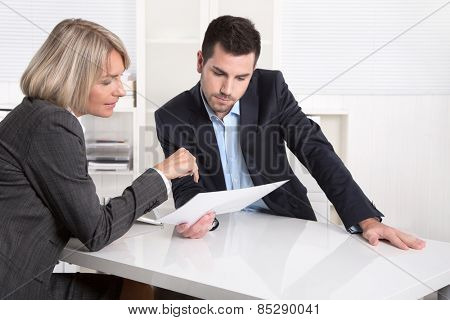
334 124
120 126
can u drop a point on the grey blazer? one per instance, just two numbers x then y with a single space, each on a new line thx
47 196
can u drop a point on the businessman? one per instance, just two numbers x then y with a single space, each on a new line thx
236 122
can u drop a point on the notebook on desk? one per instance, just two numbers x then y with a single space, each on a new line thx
152 216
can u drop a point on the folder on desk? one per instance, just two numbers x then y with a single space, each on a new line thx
220 202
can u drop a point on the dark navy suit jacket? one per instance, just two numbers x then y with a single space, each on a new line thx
270 117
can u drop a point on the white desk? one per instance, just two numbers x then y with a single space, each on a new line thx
262 256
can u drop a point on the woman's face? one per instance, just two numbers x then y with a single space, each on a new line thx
108 89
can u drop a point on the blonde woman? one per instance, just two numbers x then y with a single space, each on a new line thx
46 193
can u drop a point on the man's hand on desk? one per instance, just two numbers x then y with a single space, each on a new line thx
373 231
198 229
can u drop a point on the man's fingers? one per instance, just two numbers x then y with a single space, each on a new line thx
199 234
198 229
371 237
373 232
411 241
207 218
182 227
395 240
419 244
192 230
373 240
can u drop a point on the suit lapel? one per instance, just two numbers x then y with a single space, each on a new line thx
249 106
205 136
248 130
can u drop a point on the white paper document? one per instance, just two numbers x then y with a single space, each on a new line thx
220 202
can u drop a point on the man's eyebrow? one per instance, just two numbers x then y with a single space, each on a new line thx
222 71
219 70
243 75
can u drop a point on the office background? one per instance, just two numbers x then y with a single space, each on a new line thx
375 74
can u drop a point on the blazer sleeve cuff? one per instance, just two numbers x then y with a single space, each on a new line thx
149 190
166 181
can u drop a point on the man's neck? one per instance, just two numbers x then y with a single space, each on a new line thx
221 115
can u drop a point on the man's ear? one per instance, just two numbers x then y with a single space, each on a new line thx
199 61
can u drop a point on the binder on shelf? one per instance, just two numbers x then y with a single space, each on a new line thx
108 155
108 166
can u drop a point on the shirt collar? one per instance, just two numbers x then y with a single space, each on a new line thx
78 118
235 110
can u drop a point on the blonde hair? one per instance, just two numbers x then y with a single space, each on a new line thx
70 62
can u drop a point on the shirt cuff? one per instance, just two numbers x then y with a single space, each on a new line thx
166 181
357 229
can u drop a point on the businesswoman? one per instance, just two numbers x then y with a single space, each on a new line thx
46 193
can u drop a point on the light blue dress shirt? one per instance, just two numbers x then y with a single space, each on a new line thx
233 163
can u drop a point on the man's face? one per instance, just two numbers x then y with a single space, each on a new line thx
224 78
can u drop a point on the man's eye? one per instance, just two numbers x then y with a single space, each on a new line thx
241 78
218 73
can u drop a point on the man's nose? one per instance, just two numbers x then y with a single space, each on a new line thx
227 87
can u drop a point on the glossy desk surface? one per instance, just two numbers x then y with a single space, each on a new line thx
268 257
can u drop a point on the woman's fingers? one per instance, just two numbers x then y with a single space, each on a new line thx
179 164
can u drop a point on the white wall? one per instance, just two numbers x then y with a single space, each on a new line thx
399 152
11 95
397 97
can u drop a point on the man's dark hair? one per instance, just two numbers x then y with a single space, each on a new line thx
237 36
